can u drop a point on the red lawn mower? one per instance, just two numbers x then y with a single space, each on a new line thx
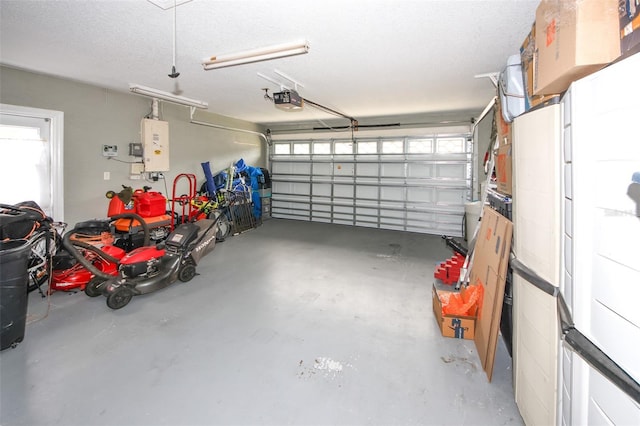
147 269
136 218
138 222
93 244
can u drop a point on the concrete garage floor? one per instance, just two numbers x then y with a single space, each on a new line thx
292 323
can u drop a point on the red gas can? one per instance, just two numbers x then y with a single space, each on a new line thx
150 204
116 206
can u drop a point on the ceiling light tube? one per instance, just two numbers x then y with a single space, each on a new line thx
167 96
256 55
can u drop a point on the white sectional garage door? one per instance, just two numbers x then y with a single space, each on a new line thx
410 183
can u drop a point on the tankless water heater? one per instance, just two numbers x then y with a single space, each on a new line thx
155 142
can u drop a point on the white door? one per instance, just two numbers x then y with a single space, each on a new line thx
416 183
31 144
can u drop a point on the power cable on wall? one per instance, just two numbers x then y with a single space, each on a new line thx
122 161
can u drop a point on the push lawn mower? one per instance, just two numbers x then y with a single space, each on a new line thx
76 277
87 258
148 269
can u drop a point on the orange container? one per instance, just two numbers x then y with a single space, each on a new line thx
132 226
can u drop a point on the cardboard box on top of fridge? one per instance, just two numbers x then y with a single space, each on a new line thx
504 169
489 270
574 38
629 25
528 58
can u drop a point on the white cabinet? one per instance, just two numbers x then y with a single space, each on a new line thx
537 229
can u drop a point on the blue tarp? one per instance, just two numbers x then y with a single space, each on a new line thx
251 184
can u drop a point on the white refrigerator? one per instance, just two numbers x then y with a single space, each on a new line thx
601 241
576 209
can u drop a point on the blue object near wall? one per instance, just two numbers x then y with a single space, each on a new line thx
254 174
211 187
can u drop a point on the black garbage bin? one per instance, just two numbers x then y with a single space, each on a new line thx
14 260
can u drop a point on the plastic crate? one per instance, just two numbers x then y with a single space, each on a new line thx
501 203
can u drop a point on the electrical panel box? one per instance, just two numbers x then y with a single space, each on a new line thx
135 149
155 142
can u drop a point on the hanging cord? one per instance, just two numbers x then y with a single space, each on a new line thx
174 73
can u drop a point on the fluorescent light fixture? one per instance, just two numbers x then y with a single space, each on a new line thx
166 96
256 55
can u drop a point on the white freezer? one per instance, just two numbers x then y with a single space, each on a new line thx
601 237
577 225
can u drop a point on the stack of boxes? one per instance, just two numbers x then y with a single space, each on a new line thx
569 40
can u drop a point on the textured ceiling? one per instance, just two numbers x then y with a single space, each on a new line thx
367 58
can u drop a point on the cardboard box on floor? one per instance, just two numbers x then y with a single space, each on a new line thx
574 38
489 269
456 326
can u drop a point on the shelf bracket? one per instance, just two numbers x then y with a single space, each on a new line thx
493 76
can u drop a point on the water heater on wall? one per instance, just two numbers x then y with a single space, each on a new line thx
155 142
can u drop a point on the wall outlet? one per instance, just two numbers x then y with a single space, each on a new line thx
110 150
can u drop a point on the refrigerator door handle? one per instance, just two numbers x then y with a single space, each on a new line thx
588 351
533 278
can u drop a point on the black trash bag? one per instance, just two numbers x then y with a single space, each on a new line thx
22 220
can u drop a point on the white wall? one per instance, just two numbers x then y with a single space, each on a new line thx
96 116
